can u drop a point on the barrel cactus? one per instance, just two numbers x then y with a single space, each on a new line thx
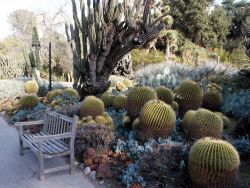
187 119
205 123
92 106
137 97
107 99
213 163
29 101
189 96
225 119
71 91
212 100
165 94
119 102
51 94
31 87
156 119
175 106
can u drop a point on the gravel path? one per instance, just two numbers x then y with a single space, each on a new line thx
21 171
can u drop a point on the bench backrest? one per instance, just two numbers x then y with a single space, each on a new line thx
56 123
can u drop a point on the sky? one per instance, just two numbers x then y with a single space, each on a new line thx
38 6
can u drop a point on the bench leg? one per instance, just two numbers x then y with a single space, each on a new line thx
21 146
72 162
40 161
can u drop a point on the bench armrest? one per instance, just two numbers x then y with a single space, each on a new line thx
51 137
29 123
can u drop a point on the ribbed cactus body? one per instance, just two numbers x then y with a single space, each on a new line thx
31 87
29 101
107 99
51 94
189 96
187 119
213 164
212 100
156 119
175 106
205 123
92 106
71 91
165 94
119 102
137 97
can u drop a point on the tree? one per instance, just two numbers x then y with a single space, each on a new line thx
111 29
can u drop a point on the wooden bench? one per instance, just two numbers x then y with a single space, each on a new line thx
56 138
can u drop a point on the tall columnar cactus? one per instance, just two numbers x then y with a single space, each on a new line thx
91 106
106 32
137 97
156 119
165 94
213 163
205 123
189 96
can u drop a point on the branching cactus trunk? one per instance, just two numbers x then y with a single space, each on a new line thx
107 30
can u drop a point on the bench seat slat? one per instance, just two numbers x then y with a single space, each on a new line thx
49 147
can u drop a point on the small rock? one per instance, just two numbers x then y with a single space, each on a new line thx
87 170
93 175
101 182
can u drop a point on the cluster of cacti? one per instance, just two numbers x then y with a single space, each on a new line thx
187 119
213 163
103 119
107 99
71 92
204 123
52 94
156 119
31 87
189 96
91 106
29 101
165 94
119 102
137 97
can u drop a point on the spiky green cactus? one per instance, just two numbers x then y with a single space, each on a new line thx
92 106
225 119
107 99
189 96
187 119
29 101
156 119
100 120
119 102
71 91
212 100
165 94
205 123
175 106
213 163
137 97
31 87
51 94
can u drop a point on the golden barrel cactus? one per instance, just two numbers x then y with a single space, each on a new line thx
213 164
187 119
205 123
156 119
54 93
165 94
212 100
137 97
107 99
29 101
31 87
119 102
189 96
91 106
71 91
